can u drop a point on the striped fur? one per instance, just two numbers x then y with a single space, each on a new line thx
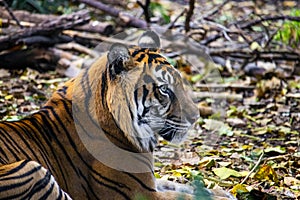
36 182
132 95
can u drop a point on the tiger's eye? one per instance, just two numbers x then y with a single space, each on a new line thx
163 89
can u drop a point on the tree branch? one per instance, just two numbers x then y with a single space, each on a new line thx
126 18
189 15
146 9
269 18
46 28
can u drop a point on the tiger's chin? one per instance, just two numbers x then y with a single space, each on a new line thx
150 142
175 136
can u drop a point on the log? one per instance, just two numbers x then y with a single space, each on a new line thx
47 28
28 19
40 59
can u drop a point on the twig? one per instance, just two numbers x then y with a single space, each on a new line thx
189 15
171 25
11 13
216 10
253 169
271 38
270 18
146 9
285 156
220 95
94 36
79 48
126 18
226 86
256 55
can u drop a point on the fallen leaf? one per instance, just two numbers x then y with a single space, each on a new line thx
225 173
235 122
277 149
239 188
266 172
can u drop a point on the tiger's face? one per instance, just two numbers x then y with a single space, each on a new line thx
149 92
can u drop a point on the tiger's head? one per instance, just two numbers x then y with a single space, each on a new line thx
146 94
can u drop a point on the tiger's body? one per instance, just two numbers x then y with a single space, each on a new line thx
134 95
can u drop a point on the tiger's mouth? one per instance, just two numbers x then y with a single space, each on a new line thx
173 133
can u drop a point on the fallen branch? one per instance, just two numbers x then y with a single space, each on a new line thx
94 36
222 95
247 54
39 59
46 28
270 18
32 19
125 18
79 48
21 15
225 86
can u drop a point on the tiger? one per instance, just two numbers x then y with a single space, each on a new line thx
124 101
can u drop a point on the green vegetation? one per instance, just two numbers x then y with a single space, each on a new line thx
290 31
43 6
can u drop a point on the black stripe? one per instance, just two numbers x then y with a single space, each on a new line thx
11 150
141 57
135 53
88 95
20 131
4 188
10 139
49 191
21 135
145 94
40 185
113 188
90 190
61 195
27 128
70 139
13 186
103 88
3 154
144 159
153 56
141 183
87 193
135 95
22 175
16 169
82 126
46 132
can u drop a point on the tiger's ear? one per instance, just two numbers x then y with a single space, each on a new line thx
119 59
149 39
